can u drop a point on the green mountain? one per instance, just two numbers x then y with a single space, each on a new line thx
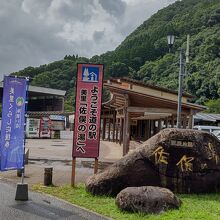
144 54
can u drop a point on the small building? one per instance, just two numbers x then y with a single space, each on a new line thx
138 110
48 105
40 100
45 108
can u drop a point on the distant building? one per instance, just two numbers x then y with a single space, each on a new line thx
45 111
207 119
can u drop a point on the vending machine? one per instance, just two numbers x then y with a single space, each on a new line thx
45 127
32 127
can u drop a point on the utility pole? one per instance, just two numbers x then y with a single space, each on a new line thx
182 72
180 91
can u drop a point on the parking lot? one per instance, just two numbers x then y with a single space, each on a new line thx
57 153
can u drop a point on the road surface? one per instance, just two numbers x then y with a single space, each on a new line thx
38 206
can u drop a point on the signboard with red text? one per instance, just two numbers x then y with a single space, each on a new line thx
86 137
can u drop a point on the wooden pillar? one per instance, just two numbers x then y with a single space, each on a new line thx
145 129
116 130
121 131
114 118
154 127
159 125
172 121
166 122
184 122
136 130
151 128
141 128
126 132
190 122
109 128
103 128
148 129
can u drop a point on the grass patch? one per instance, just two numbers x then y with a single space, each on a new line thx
194 207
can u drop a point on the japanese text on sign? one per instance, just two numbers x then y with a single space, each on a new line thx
88 110
12 129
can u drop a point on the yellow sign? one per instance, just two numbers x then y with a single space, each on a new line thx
160 155
212 153
185 163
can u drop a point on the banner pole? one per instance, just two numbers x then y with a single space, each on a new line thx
22 188
73 172
25 124
22 178
96 165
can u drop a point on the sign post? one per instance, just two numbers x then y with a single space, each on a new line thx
86 138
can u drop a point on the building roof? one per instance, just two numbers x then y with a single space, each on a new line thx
144 84
145 95
42 90
207 117
49 91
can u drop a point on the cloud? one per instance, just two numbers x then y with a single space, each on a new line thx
38 7
26 40
98 36
115 8
36 32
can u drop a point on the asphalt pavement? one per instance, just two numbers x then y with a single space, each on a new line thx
39 206
57 153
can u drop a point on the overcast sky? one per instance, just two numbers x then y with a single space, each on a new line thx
35 32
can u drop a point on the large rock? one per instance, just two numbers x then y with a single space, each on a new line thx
147 199
179 159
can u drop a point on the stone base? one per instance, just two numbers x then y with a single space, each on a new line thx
22 192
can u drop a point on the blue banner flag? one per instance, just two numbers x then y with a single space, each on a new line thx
13 120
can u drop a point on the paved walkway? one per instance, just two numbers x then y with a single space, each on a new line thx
57 153
38 207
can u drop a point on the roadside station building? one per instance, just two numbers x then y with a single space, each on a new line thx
137 110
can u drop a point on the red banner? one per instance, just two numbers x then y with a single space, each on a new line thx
86 137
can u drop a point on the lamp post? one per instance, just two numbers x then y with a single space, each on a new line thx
170 39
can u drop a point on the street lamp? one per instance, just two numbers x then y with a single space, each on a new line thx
170 39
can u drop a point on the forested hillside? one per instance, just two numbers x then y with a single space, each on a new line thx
144 54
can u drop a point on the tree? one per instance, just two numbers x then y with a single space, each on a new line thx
118 69
213 106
